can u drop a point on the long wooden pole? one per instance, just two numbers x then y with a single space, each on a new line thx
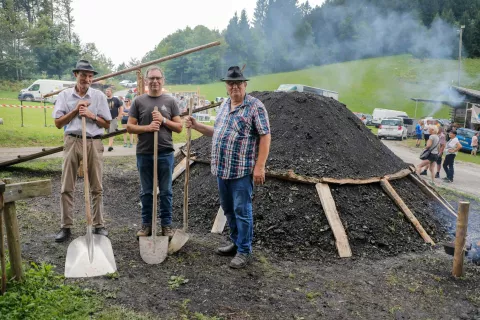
147 64
460 238
13 239
2 247
187 171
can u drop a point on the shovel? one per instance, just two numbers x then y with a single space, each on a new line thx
90 255
180 237
153 249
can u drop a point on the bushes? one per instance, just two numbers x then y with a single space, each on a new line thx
15 86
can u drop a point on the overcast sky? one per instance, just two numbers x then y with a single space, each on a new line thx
113 25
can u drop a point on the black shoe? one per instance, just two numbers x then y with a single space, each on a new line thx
423 173
63 235
101 231
110 148
437 175
241 260
229 250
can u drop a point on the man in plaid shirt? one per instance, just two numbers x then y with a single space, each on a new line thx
240 146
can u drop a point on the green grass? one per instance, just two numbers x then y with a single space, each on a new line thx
387 82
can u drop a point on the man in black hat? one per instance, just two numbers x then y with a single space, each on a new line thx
72 104
240 146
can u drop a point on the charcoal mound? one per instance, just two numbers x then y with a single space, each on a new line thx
318 136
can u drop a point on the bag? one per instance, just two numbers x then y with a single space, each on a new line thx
426 153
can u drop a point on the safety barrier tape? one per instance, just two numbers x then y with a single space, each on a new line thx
32 107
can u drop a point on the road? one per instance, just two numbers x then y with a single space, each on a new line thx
467 175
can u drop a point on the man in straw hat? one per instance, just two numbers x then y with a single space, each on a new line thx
72 104
240 146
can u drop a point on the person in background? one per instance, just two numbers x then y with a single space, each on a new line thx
125 111
418 132
426 134
452 148
116 107
474 144
441 149
432 145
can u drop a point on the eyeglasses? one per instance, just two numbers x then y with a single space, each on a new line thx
154 78
233 83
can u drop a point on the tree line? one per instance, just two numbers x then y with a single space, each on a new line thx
36 37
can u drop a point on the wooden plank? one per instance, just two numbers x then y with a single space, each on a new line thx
432 194
26 190
387 187
399 175
220 222
180 168
13 237
328 204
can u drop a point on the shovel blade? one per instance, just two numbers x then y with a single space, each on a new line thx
220 221
153 250
89 256
179 239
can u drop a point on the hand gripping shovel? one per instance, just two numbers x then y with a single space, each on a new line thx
153 249
180 237
90 255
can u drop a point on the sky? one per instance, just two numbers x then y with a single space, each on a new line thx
114 27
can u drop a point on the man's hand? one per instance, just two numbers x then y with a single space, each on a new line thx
190 122
84 112
154 126
259 174
81 103
157 116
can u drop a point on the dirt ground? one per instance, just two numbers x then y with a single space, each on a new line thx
414 285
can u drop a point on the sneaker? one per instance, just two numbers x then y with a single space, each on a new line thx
437 175
241 260
110 148
167 231
131 145
229 250
124 145
146 231
423 173
101 231
63 235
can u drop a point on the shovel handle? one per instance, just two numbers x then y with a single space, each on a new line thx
187 171
155 181
86 183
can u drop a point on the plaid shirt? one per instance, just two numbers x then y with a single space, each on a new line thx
236 138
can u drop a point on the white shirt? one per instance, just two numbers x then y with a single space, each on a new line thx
452 144
474 141
67 101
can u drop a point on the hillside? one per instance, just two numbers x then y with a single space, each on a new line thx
387 82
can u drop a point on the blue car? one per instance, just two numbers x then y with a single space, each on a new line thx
465 138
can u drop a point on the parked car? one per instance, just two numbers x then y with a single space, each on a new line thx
392 128
369 119
464 136
41 87
125 83
131 85
379 114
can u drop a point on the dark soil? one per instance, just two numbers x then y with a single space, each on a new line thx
276 285
318 136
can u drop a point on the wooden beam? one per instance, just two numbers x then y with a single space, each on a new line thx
26 190
13 237
387 187
328 204
432 194
460 239
180 168
3 266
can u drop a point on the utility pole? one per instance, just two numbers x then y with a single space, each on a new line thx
460 54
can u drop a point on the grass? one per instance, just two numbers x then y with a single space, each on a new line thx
386 82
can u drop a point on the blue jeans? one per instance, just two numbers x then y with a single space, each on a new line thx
236 202
165 170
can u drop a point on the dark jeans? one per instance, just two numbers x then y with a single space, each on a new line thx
236 202
426 136
448 165
165 170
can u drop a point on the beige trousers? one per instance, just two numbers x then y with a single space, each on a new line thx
72 155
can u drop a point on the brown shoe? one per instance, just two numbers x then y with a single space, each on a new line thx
146 231
167 231
229 250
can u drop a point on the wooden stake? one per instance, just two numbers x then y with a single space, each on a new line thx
334 221
13 239
387 187
460 238
2 247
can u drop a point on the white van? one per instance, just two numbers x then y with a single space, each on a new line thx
379 114
302 88
41 87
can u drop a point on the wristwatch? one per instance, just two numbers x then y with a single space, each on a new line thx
96 118
164 121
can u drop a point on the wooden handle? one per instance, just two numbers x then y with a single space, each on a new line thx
86 183
155 181
187 171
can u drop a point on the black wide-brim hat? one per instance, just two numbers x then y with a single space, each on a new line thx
84 65
234 74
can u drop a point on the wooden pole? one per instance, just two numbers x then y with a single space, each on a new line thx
387 187
187 172
13 238
2 247
460 238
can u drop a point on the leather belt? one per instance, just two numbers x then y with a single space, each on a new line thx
80 137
